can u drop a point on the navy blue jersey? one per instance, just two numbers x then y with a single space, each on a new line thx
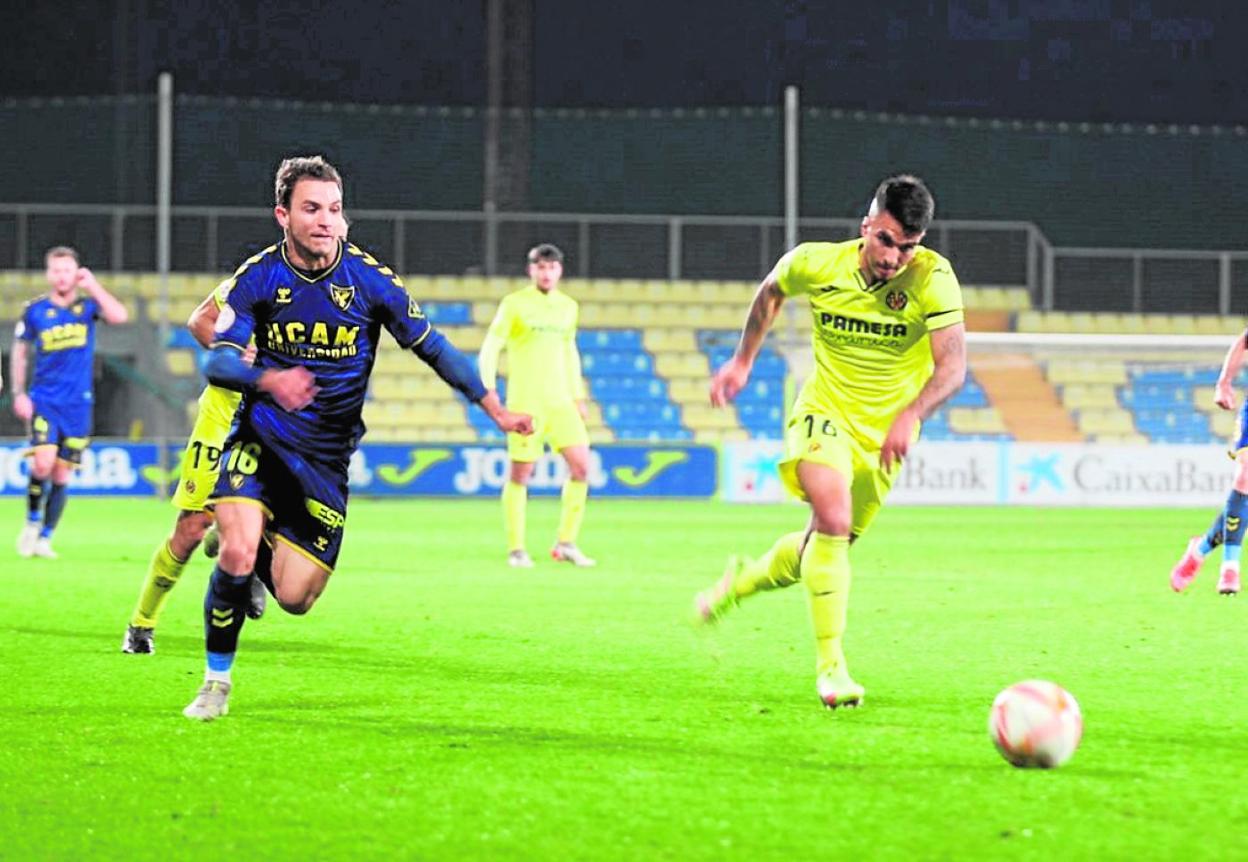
329 325
64 343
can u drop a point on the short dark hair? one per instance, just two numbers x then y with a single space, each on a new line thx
62 251
907 199
545 251
292 170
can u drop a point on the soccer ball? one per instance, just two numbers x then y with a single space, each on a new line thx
1035 723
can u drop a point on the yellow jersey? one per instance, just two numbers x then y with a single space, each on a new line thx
214 400
538 329
871 347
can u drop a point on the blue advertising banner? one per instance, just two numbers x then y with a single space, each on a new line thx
394 469
110 469
480 471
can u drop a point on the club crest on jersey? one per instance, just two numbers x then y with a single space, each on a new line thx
51 312
283 296
896 300
342 296
77 309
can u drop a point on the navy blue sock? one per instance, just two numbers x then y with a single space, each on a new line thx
58 495
1236 504
1214 537
264 566
225 609
35 492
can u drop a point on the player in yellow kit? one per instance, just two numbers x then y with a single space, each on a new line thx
537 327
890 347
200 465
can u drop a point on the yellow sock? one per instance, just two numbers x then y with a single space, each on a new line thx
825 570
162 574
515 498
572 509
779 567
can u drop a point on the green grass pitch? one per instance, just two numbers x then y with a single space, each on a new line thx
439 705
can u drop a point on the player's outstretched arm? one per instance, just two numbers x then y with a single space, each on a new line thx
455 369
203 319
1224 390
111 309
735 373
291 388
949 356
507 421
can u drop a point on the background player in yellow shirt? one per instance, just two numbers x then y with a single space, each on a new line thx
889 347
200 464
537 326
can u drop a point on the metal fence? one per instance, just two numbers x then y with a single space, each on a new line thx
213 239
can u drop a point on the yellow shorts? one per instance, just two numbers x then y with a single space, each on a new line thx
818 438
560 426
202 459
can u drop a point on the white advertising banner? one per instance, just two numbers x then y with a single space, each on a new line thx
1031 474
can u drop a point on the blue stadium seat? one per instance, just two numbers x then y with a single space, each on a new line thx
636 404
180 337
448 313
608 339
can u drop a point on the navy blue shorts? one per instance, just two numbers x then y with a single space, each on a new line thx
305 501
66 428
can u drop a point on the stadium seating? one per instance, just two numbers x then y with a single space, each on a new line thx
648 347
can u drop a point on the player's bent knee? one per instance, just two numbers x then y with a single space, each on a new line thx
832 523
297 609
298 602
578 470
238 558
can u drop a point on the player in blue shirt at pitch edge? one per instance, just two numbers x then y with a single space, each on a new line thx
316 306
60 328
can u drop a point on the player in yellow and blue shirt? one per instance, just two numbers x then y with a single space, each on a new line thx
537 327
316 306
60 329
890 347
201 463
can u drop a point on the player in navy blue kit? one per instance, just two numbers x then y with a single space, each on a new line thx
60 329
316 306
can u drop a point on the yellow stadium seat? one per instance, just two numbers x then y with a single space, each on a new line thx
703 417
1077 396
1208 324
1223 422
1083 322
1029 321
738 293
466 338
1183 324
1017 299
976 420
181 363
1057 321
1105 422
